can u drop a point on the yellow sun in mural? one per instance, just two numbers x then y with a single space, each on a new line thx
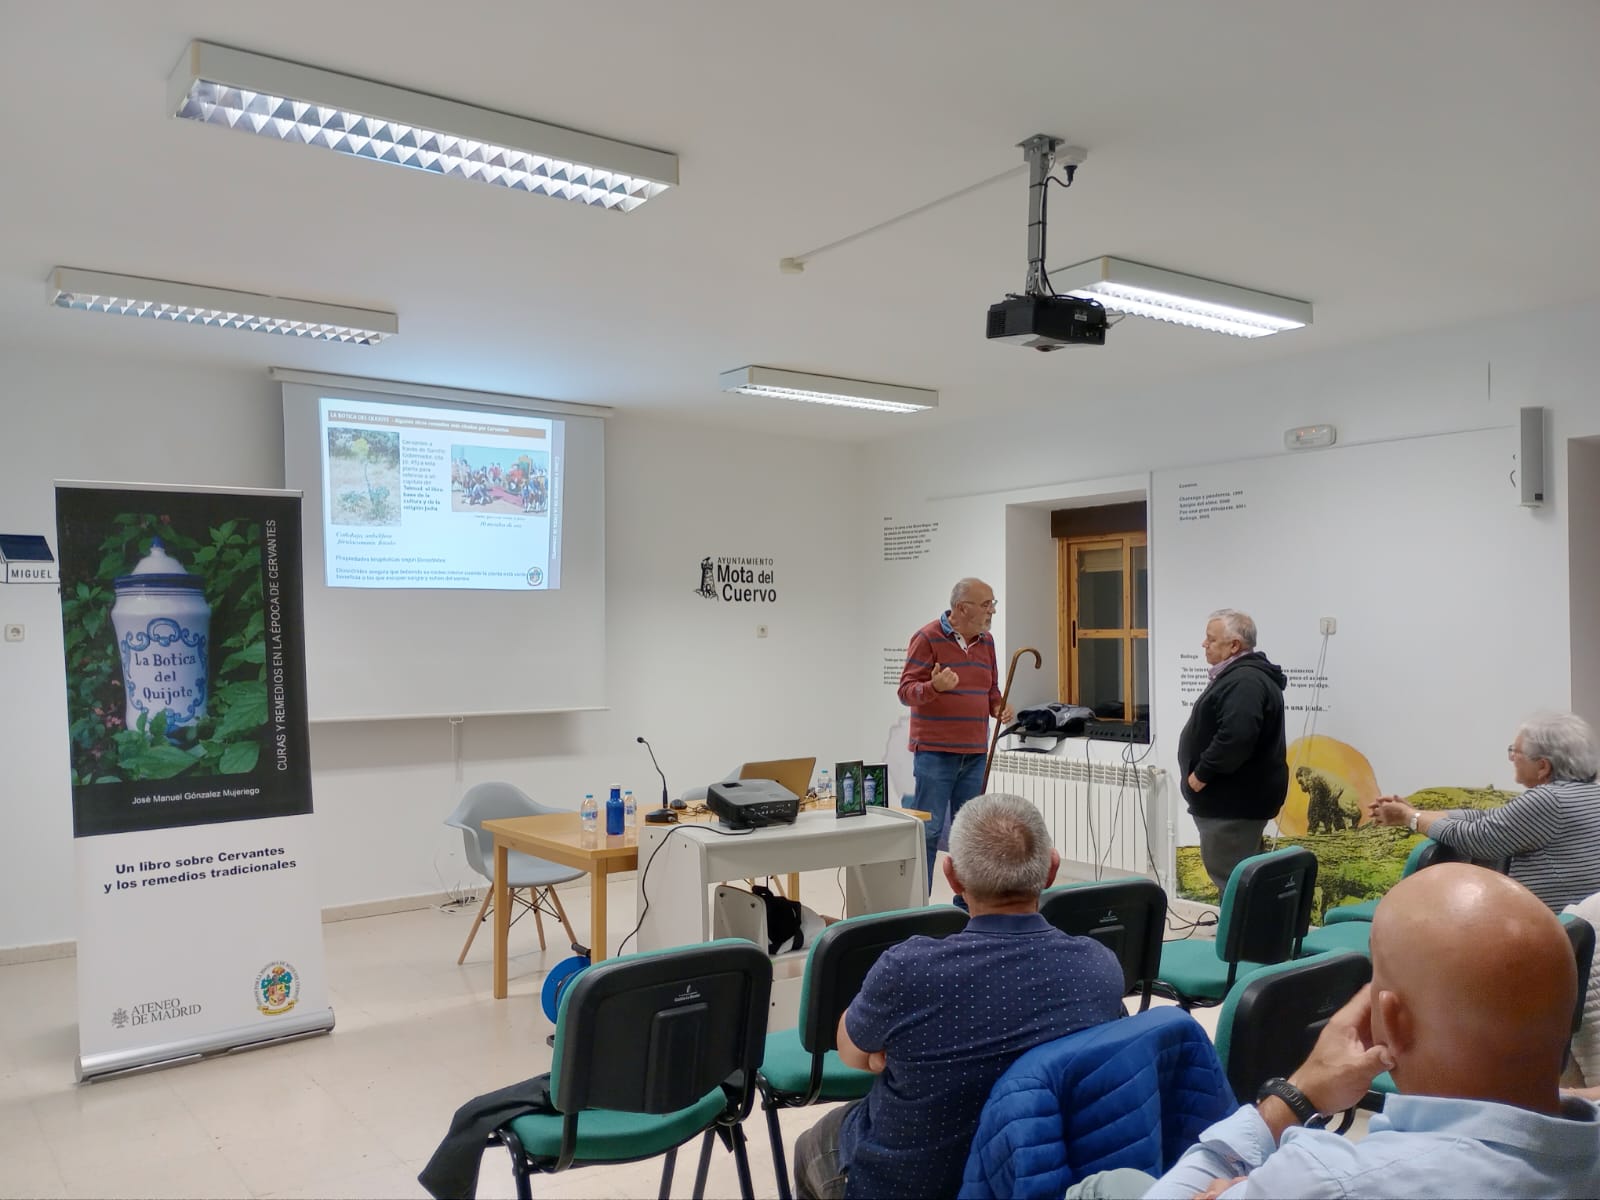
1330 785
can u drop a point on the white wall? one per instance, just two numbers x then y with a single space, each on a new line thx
1392 391
688 673
1028 594
1583 557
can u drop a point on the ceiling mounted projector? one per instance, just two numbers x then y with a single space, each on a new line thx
1043 318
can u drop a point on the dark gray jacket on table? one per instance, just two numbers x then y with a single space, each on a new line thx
1233 742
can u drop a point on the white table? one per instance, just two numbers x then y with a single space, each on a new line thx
882 851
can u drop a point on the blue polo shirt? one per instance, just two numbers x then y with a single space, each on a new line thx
952 1014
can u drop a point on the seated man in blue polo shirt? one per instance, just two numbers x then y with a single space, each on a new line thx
940 1019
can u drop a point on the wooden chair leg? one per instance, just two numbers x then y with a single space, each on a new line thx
555 898
483 909
538 921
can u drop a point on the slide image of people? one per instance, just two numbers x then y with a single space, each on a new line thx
363 476
496 479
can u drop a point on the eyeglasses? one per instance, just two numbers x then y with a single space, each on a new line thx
1511 751
987 606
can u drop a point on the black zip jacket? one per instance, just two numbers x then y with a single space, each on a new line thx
1233 743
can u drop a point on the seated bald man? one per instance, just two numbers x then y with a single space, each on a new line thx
1469 1009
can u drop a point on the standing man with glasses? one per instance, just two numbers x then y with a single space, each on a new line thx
1231 753
951 684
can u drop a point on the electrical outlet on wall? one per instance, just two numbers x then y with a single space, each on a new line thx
761 631
15 631
1328 625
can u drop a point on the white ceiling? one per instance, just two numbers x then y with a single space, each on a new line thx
1400 165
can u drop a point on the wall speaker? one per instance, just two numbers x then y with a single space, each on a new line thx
1530 461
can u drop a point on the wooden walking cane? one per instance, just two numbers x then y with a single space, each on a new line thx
1038 662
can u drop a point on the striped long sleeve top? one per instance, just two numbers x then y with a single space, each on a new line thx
957 721
1551 833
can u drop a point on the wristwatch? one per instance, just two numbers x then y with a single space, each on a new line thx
1298 1104
1411 821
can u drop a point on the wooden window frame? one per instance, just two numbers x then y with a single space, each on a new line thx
1067 632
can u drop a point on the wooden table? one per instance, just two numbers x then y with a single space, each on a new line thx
559 838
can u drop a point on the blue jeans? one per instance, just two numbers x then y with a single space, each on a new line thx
944 783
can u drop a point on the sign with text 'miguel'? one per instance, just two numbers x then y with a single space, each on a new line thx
182 618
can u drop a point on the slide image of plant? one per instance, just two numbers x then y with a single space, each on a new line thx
226 740
364 476
499 479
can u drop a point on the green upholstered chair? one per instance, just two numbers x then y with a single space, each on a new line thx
1266 910
1423 854
1129 916
651 1051
1272 1018
802 1065
1331 939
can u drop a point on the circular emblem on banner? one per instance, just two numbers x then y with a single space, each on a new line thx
277 988
535 576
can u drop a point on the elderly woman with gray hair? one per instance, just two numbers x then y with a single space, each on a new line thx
1551 832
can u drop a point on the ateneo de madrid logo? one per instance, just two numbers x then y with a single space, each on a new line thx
738 579
277 988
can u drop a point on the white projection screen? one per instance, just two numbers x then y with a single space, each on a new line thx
454 551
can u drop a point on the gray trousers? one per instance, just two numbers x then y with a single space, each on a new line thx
818 1174
1120 1183
1225 842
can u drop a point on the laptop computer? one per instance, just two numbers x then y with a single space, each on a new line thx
792 773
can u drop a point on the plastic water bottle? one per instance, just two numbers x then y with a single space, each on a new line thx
590 814
824 784
614 821
630 808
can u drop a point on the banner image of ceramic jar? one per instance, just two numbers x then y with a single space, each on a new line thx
183 635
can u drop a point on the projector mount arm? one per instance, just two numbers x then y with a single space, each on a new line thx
1042 153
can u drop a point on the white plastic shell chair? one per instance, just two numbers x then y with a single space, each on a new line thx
491 802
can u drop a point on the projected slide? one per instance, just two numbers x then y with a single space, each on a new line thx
420 497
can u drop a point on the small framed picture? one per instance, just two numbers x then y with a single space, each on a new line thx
875 785
849 790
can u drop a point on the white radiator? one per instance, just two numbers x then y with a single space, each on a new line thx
1105 818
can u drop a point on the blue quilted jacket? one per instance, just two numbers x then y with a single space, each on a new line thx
1130 1093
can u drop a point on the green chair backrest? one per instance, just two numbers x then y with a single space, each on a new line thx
1266 908
1127 915
1272 1017
843 954
654 1032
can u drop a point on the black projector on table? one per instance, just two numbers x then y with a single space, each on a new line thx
752 803
1048 322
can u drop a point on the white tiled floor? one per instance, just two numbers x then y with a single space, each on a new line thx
354 1114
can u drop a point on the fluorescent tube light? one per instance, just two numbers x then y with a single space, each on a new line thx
827 389
96 291
1130 287
277 99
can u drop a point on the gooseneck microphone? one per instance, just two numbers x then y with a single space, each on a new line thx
663 815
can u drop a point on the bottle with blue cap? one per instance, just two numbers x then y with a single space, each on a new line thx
616 822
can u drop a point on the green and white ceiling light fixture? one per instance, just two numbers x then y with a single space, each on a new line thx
286 101
773 383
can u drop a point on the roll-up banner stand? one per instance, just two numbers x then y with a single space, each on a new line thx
198 925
